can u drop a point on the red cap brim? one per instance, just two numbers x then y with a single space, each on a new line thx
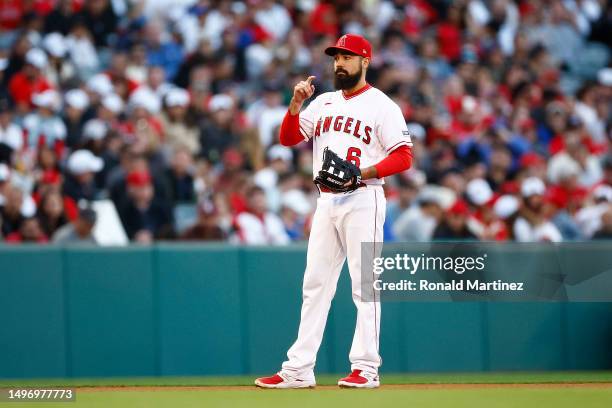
331 51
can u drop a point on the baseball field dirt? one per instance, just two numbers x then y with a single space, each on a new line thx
492 390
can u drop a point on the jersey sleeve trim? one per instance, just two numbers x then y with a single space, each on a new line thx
398 144
304 133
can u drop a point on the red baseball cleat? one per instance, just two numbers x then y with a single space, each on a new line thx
360 379
282 380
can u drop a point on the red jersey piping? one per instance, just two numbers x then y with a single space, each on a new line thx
357 92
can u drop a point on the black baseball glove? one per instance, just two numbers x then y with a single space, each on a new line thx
337 174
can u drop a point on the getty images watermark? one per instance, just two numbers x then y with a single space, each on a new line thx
458 265
487 272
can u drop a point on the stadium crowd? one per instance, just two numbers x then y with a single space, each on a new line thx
171 110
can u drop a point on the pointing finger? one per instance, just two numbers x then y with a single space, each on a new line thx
310 78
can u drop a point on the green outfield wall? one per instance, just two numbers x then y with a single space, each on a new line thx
183 309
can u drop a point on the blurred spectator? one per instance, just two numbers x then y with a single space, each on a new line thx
80 181
279 163
258 226
532 224
454 226
29 81
11 134
586 110
29 231
483 222
217 133
267 114
5 184
61 18
16 57
167 54
407 191
154 81
294 210
98 87
207 227
123 85
109 110
179 177
60 70
590 217
51 214
51 181
605 232
506 209
144 217
574 164
43 126
178 121
80 230
116 181
419 222
100 18
437 67
93 136
82 51
273 18
4 63
142 129
76 104
11 208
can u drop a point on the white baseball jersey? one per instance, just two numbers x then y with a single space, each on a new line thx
363 128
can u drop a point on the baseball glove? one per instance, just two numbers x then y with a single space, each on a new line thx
337 174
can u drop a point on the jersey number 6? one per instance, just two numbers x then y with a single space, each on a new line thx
353 155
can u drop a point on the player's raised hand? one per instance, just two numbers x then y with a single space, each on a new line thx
303 90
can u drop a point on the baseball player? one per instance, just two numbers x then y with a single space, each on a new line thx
359 136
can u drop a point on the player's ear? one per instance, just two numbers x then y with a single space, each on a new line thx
365 62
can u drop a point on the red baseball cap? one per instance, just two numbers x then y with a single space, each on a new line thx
138 179
459 208
353 43
531 159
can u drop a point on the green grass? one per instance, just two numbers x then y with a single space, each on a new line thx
327 379
337 398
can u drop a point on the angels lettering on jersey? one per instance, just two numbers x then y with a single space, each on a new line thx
350 126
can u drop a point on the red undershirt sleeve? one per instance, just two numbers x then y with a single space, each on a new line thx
290 130
397 161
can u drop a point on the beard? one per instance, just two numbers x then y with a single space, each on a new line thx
346 81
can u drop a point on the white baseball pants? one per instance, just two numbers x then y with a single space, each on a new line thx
340 224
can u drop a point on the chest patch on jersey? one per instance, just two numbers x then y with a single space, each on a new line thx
344 124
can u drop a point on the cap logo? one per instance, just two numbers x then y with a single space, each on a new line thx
342 41
364 51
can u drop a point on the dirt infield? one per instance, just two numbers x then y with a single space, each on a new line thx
147 388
